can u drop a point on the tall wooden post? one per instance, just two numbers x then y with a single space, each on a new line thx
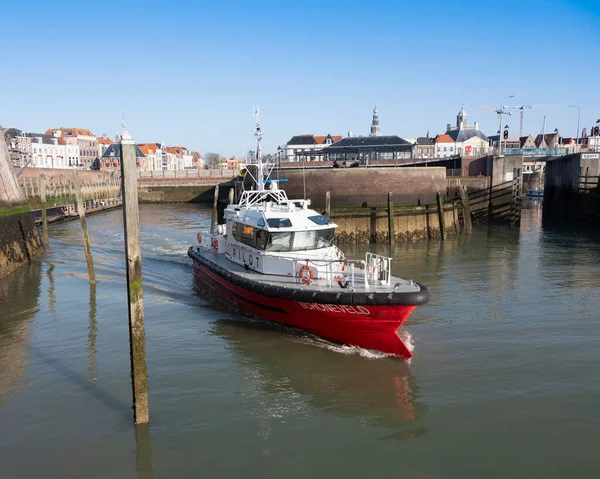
328 204
392 234
84 230
214 219
44 211
231 191
464 199
440 207
133 261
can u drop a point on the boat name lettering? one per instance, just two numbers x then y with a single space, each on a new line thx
335 308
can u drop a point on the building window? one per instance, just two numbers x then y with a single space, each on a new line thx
445 148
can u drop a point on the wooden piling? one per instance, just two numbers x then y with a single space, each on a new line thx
464 199
231 192
392 234
328 204
133 261
84 230
440 207
44 211
214 219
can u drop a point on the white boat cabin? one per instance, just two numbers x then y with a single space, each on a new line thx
268 233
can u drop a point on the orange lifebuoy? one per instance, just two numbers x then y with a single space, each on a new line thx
306 274
215 245
199 236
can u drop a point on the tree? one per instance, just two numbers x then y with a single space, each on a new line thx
212 160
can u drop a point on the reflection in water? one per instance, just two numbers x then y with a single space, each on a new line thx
19 294
282 372
92 332
51 291
143 451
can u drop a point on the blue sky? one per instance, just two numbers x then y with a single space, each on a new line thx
196 69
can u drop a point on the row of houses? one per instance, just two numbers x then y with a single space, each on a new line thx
459 140
80 148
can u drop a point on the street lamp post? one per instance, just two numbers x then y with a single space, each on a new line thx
578 118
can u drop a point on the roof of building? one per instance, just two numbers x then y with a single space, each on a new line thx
444 138
310 139
424 141
466 134
104 140
149 148
370 142
71 131
548 137
114 151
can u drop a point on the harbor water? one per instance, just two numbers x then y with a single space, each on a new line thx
505 379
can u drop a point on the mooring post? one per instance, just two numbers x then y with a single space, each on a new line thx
84 230
440 207
392 234
231 191
43 206
133 261
328 204
464 199
214 219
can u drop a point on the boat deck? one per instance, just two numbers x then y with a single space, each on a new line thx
398 285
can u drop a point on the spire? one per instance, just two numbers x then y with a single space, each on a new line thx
461 118
375 128
125 136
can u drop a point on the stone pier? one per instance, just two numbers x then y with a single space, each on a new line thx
20 241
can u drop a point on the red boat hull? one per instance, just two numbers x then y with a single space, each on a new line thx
370 327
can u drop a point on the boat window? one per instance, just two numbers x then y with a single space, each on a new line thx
320 219
300 240
279 222
260 222
262 239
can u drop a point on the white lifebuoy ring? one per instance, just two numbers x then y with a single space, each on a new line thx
306 274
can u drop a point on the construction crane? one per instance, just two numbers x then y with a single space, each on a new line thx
522 108
500 112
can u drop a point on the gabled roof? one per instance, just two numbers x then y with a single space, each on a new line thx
444 138
71 131
104 140
424 141
463 135
114 151
149 148
302 140
548 137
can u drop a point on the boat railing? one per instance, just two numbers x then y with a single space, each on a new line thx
379 268
341 271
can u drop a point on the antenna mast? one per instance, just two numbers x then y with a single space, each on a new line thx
258 134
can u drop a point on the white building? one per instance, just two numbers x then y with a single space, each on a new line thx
308 147
468 140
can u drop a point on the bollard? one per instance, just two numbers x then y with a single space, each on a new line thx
440 207
214 219
133 261
84 230
44 211
231 191
328 204
392 233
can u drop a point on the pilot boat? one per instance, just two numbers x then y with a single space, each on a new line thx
275 257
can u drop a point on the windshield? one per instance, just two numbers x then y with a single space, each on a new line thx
300 240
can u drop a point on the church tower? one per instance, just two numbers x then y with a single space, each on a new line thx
375 128
461 119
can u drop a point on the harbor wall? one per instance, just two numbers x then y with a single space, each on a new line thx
571 188
366 187
20 241
411 223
